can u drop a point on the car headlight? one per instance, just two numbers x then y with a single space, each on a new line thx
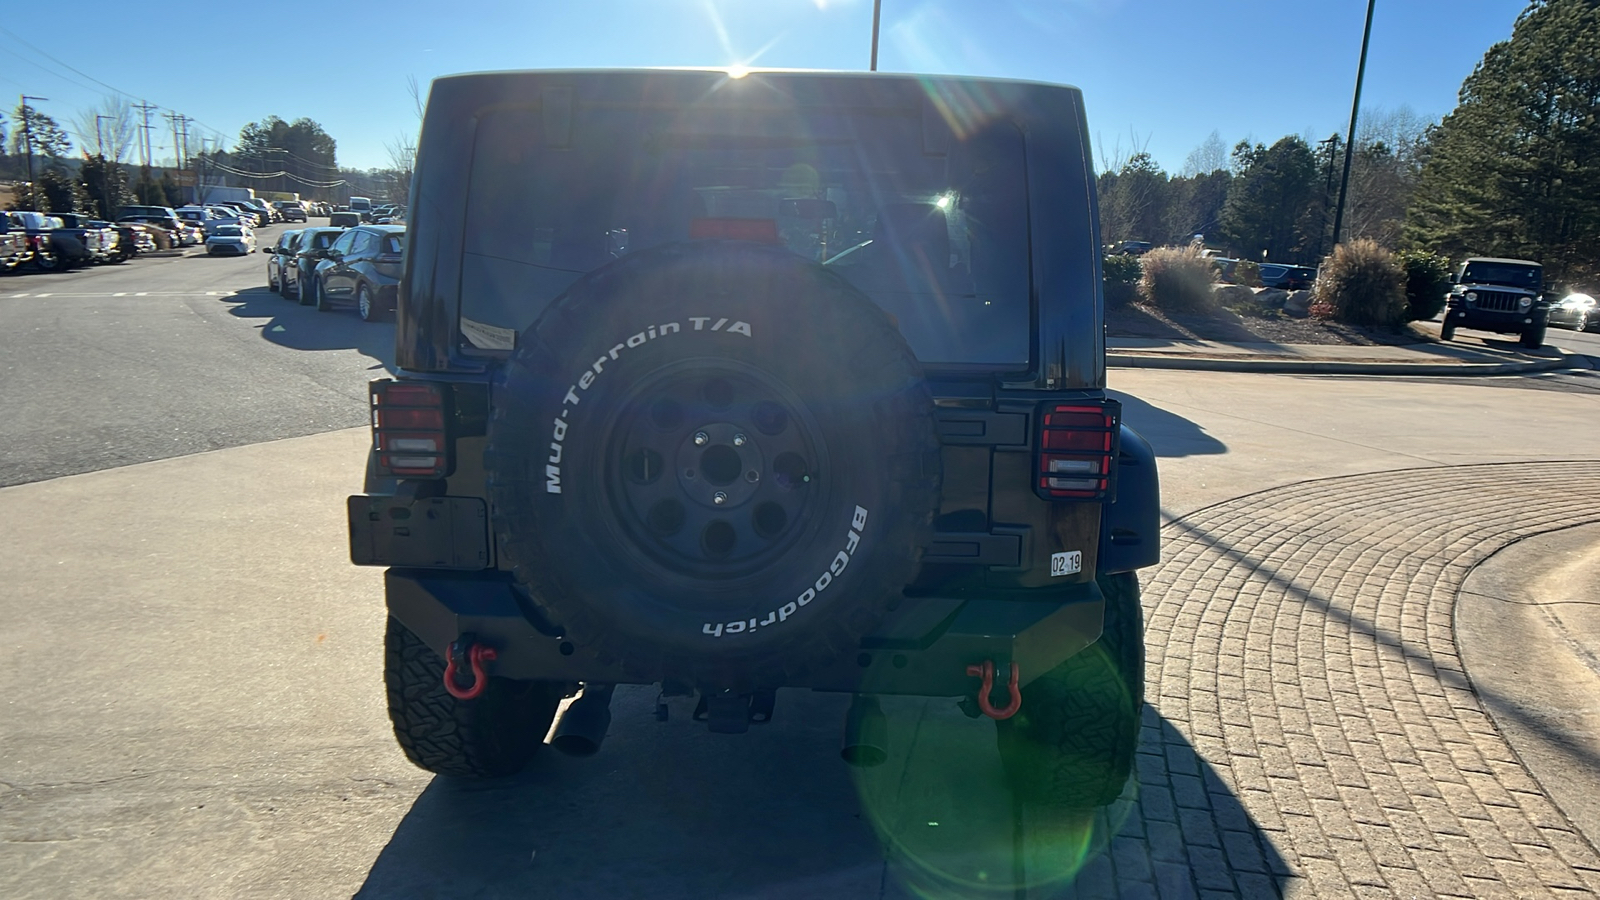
1525 302
1471 296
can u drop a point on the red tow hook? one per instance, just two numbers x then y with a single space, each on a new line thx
465 652
986 672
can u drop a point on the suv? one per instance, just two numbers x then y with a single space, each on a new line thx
1502 295
727 385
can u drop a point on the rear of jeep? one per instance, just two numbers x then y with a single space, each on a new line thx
731 384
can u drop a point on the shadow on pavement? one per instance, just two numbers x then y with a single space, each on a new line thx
671 811
299 327
1169 433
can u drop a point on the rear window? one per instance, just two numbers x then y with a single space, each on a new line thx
938 240
324 239
230 231
391 244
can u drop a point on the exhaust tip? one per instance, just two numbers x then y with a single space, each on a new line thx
866 734
584 724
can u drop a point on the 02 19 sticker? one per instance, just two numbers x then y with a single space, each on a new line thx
1068 563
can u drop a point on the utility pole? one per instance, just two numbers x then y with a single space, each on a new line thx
877 11
144 146
27 140
99 138
177 147
1350 139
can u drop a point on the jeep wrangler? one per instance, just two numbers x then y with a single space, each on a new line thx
1502 295
730 382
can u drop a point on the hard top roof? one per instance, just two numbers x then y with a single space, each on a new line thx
1501 259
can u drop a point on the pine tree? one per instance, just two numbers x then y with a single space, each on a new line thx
1514 170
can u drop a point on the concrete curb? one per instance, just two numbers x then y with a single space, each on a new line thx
1278 366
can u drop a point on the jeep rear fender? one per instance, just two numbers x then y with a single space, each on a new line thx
1130 527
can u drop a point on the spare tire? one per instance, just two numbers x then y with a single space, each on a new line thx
713 463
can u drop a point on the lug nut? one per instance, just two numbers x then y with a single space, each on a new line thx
739 439
719 498
700 438
752 476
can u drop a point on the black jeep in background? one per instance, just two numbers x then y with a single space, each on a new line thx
1501 295
732 384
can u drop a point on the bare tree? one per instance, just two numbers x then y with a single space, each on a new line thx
1210 156
110 126
1384 173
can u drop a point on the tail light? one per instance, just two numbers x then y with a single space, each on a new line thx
408 428
1078 450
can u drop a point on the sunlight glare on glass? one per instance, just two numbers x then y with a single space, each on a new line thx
737 71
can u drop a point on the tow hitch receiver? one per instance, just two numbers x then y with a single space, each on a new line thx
467 653
986 672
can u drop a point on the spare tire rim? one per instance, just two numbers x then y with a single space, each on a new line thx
713 468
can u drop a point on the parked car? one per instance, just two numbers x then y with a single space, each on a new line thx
207 218
47 255
344 219
1500 295
80 240
234 240
135 210
161 232
251 216
132 240
15 247
1134 248
268 214
279 257
1287 277
1575 311
363 267
308 251
290 211
361 206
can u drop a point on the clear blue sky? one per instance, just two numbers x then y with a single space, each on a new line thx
1159 73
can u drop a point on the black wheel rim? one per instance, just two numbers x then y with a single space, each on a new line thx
713 470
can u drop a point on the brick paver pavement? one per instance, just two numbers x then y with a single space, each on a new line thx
1311 730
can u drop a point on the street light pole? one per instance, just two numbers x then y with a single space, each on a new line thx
877 10
1350 138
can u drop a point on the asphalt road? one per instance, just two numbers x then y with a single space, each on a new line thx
191 699
162 357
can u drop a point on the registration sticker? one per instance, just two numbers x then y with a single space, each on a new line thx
1068 563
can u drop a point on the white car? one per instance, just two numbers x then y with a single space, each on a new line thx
206 218
231 239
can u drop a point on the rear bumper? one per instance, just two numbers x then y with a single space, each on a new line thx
922 649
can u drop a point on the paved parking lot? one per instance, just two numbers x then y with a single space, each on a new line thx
192 706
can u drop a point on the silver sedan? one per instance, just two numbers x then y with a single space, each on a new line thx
1576 311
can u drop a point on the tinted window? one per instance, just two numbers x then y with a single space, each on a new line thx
1502 273
938 240
324 240
230 231
392 244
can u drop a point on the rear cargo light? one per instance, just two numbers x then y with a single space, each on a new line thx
1077 450
762 231
408 428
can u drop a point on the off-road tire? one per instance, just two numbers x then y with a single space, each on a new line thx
1533 339
1447 331
659 330
1072 743
487 737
